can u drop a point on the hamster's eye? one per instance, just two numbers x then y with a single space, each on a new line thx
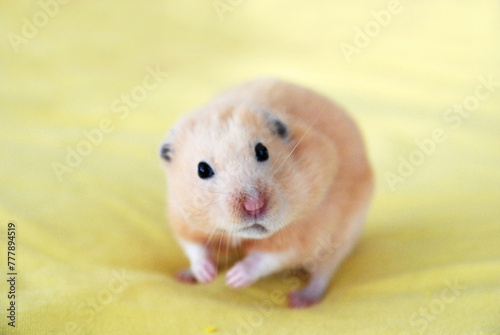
204 170
261 152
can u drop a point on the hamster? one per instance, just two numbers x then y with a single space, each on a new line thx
271 170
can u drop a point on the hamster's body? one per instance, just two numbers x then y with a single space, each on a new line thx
282 175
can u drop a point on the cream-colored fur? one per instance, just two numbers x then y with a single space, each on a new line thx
317 183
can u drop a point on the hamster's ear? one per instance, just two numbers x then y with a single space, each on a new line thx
279 128
167 147
166 152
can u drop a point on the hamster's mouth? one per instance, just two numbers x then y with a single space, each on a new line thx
255 229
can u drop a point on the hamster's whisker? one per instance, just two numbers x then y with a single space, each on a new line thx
217 200
211 202
277 158
228 241
253 196
212 234
300 140
284 161
291 152
224 193
237 247
218 249
285 235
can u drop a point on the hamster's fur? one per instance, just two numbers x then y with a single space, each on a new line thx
272 170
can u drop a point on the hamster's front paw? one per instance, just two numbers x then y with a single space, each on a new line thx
204 271
241 275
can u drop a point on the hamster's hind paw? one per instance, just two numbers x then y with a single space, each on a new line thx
186 276
301 299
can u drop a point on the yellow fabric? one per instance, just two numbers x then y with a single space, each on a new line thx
94 254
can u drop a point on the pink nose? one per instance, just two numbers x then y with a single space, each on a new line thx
254 206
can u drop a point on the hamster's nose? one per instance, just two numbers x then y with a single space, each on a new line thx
254 206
